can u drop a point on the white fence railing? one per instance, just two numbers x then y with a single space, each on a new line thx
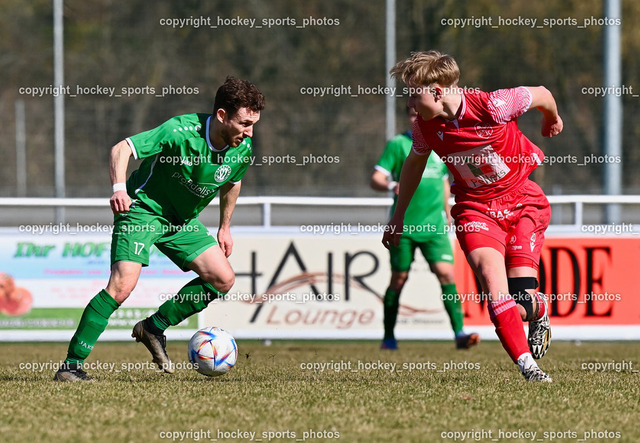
577 203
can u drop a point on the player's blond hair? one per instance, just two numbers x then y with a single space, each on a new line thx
426 68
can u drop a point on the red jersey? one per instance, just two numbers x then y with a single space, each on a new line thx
483 148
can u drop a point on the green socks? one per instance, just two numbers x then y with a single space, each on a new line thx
453 306
192 298
93 322
450 298
391 302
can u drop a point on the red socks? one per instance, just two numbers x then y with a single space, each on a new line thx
509 328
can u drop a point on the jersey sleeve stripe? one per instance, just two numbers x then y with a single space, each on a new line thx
150 174
381 169
133 148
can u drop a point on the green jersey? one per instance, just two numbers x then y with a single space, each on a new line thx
425 214
182 172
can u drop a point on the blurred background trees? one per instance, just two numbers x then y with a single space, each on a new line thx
123 45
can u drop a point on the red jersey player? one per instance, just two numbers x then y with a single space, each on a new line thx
500 215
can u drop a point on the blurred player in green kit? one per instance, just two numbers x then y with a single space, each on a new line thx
187 161
425 222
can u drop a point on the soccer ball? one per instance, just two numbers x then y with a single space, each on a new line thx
213 351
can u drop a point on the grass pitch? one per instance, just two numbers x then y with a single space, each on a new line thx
325 391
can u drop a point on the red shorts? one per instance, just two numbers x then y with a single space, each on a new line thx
513 225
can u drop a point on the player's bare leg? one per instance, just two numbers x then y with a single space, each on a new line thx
123 279
488 265
214 268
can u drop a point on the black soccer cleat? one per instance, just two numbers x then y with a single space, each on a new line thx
156 344
465 341
71 372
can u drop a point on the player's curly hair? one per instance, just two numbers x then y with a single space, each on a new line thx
234 94
426 68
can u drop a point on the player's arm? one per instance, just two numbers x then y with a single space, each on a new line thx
118 162
447 196
543 101
380 182
410 177
228 196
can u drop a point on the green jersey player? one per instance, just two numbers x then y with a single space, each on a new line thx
425 221
188 160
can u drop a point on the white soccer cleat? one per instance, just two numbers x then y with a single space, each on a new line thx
540 332
534 373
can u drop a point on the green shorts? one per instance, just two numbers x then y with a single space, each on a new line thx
136 231
436 248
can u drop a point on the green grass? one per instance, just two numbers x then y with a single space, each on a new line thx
481 393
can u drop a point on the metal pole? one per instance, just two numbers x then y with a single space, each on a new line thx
58 104
21 150
612 132
390 24
266 215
